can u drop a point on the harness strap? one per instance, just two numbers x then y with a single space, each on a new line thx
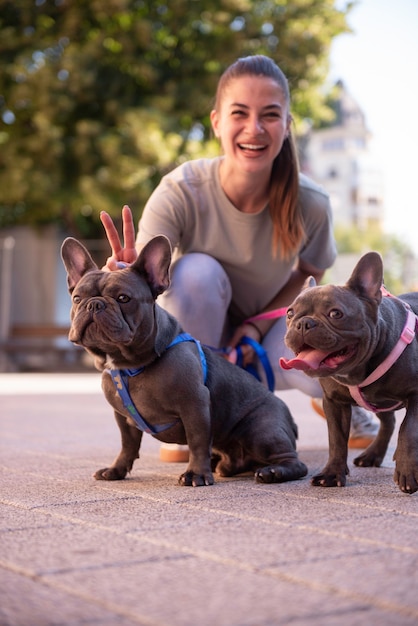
121 381
186 337
407 336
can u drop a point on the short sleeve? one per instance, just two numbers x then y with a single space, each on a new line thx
319 248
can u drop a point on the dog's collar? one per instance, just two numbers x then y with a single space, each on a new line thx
404 340
121 377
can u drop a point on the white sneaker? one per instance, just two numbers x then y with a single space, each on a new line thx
364 426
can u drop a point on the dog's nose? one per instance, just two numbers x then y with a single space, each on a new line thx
306 323
95 305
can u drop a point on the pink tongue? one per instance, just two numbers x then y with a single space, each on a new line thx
306 360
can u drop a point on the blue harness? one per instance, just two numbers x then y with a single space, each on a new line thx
121 377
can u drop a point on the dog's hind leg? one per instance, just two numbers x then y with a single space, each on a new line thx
285 470
131 438
375 453
406 453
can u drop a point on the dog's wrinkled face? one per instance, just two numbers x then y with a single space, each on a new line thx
113 311
327 330
331 329
108 308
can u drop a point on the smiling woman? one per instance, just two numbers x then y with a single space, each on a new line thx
247 222
246 227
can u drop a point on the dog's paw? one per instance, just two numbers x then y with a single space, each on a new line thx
369 458
407 480
281 473
328 480
190 479
110 473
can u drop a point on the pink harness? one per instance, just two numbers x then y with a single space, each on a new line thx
404 340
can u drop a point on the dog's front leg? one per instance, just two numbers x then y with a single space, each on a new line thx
131 438
406 453
338 420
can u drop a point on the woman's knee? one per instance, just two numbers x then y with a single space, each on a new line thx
199 277
199 296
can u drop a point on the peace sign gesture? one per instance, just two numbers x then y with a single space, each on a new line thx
127 253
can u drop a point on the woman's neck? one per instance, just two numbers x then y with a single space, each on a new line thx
249 193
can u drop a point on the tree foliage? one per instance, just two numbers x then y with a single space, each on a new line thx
99 98
398 257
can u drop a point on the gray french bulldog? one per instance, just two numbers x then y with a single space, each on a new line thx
360 342
230 421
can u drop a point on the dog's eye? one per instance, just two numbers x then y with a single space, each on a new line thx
335 314
76 299
123 298
290 313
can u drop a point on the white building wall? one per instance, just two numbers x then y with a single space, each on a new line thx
340 159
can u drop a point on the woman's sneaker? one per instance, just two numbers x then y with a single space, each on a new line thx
174 453
364 427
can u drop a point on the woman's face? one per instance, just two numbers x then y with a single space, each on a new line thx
252 122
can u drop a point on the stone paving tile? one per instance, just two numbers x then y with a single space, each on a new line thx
145 551
26 600
191 591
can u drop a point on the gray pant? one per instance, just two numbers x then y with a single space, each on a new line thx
199 297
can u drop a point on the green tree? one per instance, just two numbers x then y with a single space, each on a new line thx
398 257
98 99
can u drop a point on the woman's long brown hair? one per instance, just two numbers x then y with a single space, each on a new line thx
288 229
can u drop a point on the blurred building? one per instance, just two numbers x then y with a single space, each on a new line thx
338 156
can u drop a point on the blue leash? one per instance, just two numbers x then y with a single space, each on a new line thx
121 381
264 360
251 369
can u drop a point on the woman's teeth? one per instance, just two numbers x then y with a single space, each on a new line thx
250 146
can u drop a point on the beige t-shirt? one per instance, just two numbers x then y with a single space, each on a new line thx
190 207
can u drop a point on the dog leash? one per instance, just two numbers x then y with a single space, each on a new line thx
239 360
264 360
268 315
121 381
257 347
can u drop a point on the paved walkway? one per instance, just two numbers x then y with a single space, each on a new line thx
145 551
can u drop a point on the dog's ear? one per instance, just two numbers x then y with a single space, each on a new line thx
309 282
77 261
367 277
153 264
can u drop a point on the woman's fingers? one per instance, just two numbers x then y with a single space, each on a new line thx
248 355
128 227
126 253
111 233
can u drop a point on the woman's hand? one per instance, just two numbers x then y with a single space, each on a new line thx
245 330
127 253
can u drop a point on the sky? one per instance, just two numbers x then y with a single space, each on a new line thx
378 64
